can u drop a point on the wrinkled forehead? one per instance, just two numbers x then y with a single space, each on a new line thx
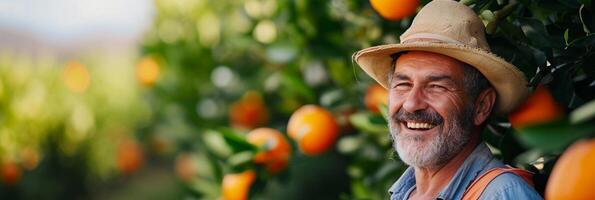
427 63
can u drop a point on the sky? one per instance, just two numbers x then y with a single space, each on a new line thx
68 23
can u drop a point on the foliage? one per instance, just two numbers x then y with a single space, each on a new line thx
299 52
292 53
62 126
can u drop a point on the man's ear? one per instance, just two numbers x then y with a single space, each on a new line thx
483 105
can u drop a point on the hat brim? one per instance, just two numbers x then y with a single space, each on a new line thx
509 82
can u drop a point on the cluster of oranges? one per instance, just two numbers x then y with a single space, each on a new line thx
573 175
11 170
313 128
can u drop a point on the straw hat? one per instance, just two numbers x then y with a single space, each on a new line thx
453 29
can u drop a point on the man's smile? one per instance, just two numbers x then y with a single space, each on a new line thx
423 126
421 121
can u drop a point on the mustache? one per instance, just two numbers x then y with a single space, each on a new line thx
420 115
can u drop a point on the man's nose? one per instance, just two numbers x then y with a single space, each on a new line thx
415 101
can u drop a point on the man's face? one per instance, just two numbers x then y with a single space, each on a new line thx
431 115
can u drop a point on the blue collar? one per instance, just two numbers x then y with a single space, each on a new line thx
478 162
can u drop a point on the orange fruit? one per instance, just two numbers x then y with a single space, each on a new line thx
375 95
185 167
29 158
76 77
147 71
129 156
395 9
249 112
573 175
237 186
539 108
276 148
313 128
11 173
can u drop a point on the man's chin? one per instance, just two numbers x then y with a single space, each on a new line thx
415 153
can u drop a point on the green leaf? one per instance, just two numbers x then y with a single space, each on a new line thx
585 2
206 187
384 111
215 143
566 37
468 2
298 86
588 40
349 144
583 113
237 142
511 32
241 160
368 122
339 72
535 32
528 157
487 16
332 98
360 191
555 136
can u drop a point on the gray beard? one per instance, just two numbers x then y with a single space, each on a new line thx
439 150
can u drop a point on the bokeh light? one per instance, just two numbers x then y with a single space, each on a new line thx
76 77
265 31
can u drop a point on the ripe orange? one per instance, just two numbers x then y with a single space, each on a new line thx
313 128
11 173
249 112
539 108
375 96
76 77
573 175
276 148
185 167
237 186
129 156
395 9
147 71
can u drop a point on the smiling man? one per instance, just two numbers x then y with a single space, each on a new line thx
444 83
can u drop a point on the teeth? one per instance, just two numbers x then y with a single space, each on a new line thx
419 125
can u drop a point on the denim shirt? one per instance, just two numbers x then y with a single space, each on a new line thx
505 186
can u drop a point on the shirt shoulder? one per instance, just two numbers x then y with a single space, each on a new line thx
509 186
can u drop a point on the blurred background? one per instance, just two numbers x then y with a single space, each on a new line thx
143 99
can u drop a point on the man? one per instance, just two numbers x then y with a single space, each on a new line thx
443 85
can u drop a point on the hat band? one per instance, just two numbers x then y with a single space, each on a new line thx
431 37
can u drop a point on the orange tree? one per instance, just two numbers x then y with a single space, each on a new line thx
62 124
293 53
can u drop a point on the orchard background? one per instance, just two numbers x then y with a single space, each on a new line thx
176 115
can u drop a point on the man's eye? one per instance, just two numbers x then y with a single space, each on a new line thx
438 87
402 85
